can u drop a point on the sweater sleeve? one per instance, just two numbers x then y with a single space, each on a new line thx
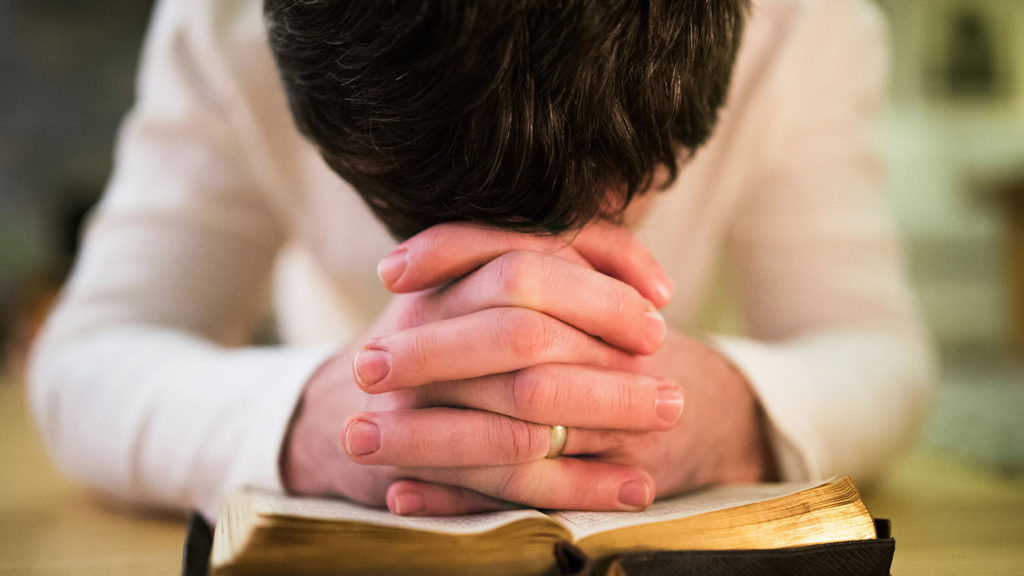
139 381
837 353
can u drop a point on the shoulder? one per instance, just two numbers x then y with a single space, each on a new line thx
794 47
790 13
202 44
212 24
813 28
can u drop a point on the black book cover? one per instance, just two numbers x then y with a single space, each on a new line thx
855 558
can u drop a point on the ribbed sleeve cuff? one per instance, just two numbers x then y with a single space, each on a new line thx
284 377
776 378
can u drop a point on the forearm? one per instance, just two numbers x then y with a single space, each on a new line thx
838 401
157 417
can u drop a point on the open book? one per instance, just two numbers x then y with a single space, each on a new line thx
264 533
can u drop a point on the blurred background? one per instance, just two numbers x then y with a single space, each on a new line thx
67 73
954 138
953 134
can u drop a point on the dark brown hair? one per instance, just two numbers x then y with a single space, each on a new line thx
534 115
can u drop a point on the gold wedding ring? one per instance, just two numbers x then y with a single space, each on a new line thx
559 434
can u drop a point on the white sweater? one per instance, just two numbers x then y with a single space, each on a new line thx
144 389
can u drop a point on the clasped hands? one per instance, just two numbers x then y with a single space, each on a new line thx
491 338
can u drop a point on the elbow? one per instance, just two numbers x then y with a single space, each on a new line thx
44 387
905 407
50 397
65 408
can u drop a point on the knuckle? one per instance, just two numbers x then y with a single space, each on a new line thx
524 333
515 440
515 275
530 393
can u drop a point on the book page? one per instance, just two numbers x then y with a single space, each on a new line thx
273 504
583 524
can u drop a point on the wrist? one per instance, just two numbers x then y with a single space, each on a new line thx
299 475
752 458
310 452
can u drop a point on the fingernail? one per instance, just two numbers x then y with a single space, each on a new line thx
668 403
371 366
362 438
663 288
390 269
635 494
409 503
654 328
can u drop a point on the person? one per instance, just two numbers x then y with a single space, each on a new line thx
537 251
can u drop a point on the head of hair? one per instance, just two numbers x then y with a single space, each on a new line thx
531 115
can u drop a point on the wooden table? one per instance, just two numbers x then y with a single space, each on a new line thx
50 526
949 518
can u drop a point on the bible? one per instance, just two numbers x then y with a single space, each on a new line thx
266 533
